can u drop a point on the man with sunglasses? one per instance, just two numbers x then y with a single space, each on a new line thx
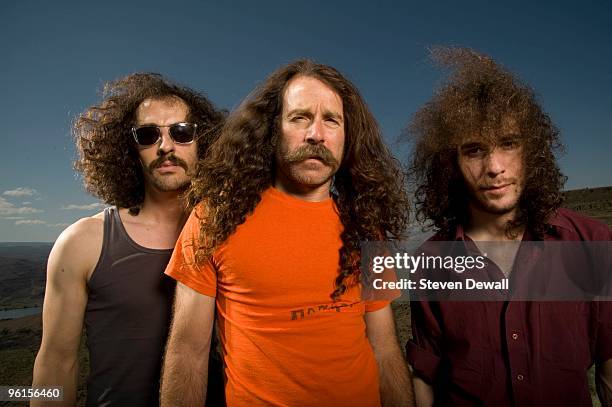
138 150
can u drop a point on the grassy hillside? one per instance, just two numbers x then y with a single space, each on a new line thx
19 343
22 282
594 202
22 274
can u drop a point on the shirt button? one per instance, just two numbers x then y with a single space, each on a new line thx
515 336
520 377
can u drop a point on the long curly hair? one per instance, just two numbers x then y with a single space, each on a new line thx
475 99
107 154
369 189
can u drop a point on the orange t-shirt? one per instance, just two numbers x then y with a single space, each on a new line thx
284 341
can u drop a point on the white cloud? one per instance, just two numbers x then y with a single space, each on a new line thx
30 222
26 203
8 209
21 191
13 217
58 225
86 207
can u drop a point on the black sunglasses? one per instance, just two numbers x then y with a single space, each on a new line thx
181 133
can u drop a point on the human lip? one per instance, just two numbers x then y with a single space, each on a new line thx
167 166
496 188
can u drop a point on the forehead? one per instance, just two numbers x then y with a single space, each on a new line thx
162 111
305 92
490 133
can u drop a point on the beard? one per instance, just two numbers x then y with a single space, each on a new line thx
501 206
168 183
310 174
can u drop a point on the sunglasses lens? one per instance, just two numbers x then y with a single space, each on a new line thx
183 132
147 135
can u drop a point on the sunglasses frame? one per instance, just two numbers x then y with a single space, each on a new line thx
159 134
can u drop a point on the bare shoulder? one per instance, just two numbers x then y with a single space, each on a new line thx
83 233
78 247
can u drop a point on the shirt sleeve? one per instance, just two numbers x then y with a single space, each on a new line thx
603 349
183 266
378 299
371 306
423 350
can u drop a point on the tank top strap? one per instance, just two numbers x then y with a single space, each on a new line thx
114 242
116 231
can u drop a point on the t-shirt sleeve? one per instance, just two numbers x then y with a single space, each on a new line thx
183 267
423 350
371 306
376 299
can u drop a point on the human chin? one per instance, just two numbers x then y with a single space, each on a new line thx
498 206
309 174
170 183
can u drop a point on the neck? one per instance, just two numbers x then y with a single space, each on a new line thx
301 191
163 207
486 226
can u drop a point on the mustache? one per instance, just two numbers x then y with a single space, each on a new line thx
318 151
169 157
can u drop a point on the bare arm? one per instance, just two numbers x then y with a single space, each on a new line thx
395 384
423 393
71 260
603 379
185 373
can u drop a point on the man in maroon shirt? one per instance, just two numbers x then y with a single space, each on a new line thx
485 170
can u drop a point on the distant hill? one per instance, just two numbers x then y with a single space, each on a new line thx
594 202
19 343
23 264
22 282
26 250
22 274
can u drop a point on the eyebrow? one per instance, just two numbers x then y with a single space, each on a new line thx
510 136
301 112
333 115
471 144
308 113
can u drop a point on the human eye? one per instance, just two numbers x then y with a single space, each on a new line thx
509 144
473 151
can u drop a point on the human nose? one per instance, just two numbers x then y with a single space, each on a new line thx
167 144
316 132
495 163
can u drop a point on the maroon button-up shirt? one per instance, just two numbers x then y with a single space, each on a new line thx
513 352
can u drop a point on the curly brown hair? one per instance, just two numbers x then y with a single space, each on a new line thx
475 99
368 187
107 154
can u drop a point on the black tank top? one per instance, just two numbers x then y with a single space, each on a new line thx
127 319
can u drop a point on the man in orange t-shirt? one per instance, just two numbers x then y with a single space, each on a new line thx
299 176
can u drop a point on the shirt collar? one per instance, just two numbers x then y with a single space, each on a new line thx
555 221
559 221
460 232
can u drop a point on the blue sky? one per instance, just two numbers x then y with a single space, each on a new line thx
56 56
